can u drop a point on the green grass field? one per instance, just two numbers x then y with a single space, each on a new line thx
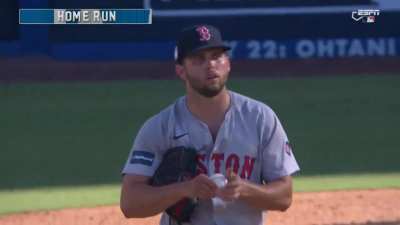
65 143
14 201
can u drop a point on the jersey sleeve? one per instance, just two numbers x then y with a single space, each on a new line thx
278 157
146 152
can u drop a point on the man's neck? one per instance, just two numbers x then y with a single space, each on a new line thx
209 110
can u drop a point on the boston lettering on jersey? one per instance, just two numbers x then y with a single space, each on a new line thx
242 167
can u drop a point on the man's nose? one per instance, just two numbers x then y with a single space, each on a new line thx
211 63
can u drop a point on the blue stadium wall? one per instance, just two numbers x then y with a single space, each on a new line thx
255 29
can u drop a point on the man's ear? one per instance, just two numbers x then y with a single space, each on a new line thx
180 71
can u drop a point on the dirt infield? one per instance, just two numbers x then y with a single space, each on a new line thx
364 207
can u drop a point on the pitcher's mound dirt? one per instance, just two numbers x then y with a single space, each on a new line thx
365 207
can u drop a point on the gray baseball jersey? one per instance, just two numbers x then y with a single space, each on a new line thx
251 140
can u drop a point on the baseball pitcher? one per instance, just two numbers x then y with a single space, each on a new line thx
214 156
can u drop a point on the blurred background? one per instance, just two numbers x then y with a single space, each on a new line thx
72 97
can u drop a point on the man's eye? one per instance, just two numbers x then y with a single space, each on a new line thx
217 56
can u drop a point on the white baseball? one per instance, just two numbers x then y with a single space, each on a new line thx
220 181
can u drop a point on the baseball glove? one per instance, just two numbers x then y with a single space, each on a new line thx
178 164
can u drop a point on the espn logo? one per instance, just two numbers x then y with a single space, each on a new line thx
365 15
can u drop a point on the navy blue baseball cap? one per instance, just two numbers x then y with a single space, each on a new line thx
196 38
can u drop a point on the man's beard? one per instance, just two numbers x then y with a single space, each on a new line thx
206 91
210 92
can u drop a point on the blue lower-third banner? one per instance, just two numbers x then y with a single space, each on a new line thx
85 16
